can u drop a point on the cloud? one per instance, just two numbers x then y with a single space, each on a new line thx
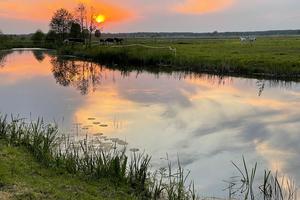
43 10
202 6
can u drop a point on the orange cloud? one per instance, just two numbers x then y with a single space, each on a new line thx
202 6
43 10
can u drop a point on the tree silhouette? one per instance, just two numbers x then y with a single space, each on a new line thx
81 16
97 33
61 22
38 37
75 31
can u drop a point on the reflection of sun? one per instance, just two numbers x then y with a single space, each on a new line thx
100 18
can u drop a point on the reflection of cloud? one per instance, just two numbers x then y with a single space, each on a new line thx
202 6
149 90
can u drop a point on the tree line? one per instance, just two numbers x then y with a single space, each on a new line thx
80 25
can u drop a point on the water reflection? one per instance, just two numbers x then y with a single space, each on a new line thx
39 55
85 76
207 120
3 55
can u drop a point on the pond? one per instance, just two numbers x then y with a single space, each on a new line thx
207 121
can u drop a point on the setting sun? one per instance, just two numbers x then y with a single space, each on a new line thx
100 18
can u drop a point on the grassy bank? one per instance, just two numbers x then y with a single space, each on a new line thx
37 158
22 177
269 57
272 57
38 164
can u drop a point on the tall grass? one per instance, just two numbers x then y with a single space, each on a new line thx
97 159
272 187
94 159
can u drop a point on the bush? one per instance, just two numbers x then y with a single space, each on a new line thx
38 37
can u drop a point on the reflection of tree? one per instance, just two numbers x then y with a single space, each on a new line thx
39 55
261 86
3 55
83 75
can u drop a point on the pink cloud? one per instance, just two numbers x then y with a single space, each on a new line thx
202 6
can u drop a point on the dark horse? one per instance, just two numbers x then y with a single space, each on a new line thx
119 40
102 41
109 41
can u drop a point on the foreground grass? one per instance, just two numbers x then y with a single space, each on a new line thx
90 160
273 57
22 177
37 164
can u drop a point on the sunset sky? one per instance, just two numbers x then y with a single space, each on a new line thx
25 16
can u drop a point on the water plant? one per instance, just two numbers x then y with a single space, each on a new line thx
273 187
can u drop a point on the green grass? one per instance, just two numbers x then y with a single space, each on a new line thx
22 177
269 56
276 57
88 159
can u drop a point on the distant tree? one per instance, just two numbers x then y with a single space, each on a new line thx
85 33
38 37
61 22
3 37
97 33
75 31
92 25
51 36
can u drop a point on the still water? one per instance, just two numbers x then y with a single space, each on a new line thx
207 121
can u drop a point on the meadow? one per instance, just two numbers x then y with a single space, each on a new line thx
272 57
268 57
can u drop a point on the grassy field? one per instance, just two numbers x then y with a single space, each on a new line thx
272 57
23 178
269 56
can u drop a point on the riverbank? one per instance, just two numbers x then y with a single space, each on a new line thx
22 177
267 57
40 161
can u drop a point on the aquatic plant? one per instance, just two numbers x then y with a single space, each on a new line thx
273 187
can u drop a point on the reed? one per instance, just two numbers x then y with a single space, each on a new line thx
273 187
97 160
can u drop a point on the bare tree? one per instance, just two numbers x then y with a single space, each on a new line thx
81 13
92 25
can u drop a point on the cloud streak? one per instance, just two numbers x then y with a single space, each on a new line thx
43 10
202 6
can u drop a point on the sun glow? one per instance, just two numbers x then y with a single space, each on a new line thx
100 18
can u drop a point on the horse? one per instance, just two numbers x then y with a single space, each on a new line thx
248 39
109 41
118 40
102 41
